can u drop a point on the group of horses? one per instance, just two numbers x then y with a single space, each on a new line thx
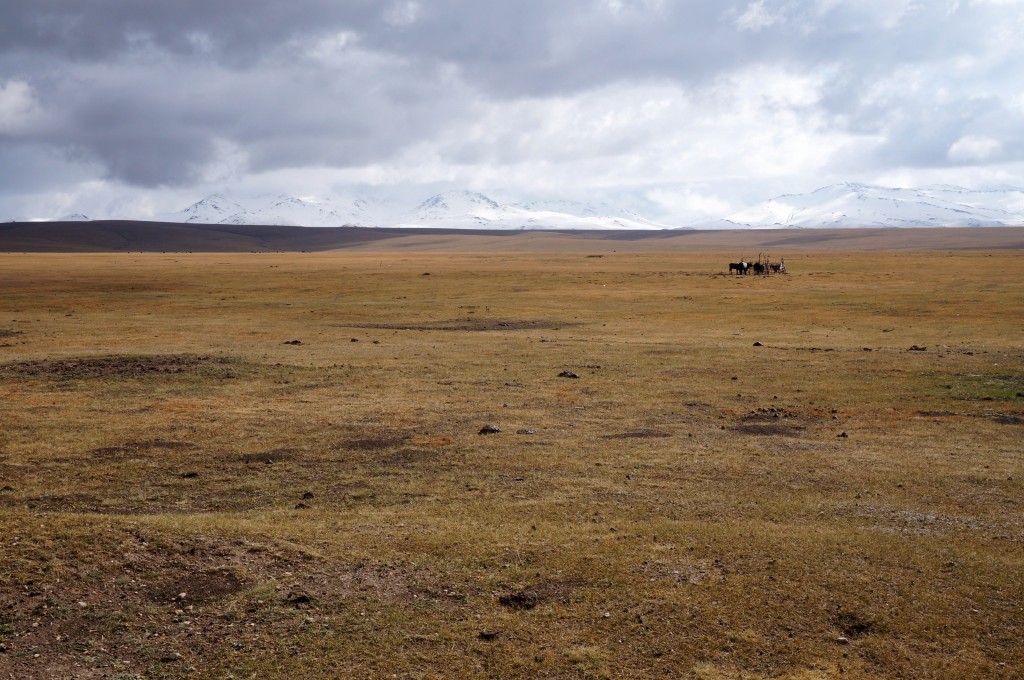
762 266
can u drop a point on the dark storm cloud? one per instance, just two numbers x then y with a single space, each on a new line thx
232 30
154 92
158 121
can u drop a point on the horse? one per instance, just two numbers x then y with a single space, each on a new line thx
740 267
759 268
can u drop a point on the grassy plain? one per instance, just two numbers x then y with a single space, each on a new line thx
186 492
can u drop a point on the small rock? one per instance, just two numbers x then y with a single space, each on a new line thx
83 603
170 658
606 615
189 475
916 348
354 340
758 344
293 342
868 349
181 596
524 431
301 506
3 649
842 641
490 429
376 342
7 489
487 635
567 374
308 495
842 435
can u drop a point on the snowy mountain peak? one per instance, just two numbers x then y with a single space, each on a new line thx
210 210
458 200
74 217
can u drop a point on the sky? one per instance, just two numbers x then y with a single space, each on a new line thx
681 109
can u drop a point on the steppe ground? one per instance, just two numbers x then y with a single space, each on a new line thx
272 466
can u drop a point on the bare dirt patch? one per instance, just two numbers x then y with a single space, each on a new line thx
270 457
76 502
410 456
142 602
469 325
115 366
775 421
769 429
639 434
541 593
431 441
378 443
196 587
909 521
138 447
853 625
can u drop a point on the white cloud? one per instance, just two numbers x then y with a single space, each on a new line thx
883 14
757 17
619 6
975 149
405 13
329 49
690 202
19 107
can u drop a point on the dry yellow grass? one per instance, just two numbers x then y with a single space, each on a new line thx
686 507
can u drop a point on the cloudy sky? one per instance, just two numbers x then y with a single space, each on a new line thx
685 108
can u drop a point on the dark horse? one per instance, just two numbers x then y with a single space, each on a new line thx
740 267
759 268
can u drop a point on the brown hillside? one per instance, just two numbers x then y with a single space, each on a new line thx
131 236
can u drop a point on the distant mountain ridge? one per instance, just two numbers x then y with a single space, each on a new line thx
836 206
863 205
448 210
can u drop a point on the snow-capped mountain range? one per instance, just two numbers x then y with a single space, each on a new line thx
861 205
449 210
839 205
